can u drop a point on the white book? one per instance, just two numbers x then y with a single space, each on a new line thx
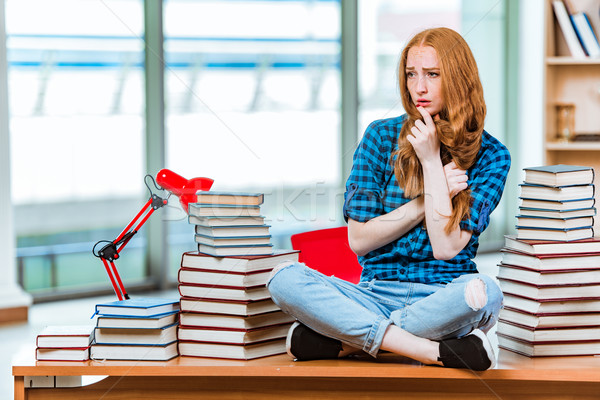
133 352
232 351
586 34
562 16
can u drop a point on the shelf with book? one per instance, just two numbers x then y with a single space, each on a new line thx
572 81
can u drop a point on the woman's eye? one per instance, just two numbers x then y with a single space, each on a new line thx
434 74
410 74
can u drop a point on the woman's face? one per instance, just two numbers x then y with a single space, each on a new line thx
423 79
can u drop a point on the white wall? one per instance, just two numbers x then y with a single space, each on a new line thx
531 83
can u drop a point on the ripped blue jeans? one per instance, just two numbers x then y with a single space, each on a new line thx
359 314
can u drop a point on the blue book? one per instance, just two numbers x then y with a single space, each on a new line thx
585 34
137 336
140 307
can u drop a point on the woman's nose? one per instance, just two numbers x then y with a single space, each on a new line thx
421 85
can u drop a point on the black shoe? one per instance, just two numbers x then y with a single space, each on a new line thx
305 344
473 351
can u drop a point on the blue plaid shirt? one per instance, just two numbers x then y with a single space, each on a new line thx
372 190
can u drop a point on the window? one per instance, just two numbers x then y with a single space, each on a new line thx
253 94
76 104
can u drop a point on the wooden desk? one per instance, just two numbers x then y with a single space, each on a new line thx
278 377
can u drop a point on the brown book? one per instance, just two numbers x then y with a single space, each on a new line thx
195 259
233 336
234 198
228 307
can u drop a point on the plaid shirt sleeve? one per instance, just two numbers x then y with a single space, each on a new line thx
364 187
486 180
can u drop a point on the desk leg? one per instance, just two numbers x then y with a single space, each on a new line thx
20 393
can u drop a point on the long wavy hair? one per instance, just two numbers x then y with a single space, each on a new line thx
460 125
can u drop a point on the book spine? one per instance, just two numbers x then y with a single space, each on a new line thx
567 29
586 34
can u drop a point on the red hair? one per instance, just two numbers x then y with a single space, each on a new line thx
460 125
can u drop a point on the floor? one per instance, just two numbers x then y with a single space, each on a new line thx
17 338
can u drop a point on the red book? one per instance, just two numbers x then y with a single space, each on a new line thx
229 307
221 321
197 260
224 292
550 307
556 320
591 245
550 262
545 349
548 292
65 336
545 278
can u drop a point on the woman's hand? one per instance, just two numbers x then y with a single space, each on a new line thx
424 138
456 178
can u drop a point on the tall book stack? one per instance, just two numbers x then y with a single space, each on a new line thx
230 224
557 203
551 287
226 309
136 329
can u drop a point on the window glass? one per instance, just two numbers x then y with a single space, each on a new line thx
253 94
76 101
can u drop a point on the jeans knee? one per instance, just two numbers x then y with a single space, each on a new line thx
284 273
482 292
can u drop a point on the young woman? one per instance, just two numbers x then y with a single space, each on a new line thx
420 193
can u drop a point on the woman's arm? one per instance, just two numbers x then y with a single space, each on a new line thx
364 237
377 232
437 193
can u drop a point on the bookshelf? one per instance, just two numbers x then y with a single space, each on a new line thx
576 81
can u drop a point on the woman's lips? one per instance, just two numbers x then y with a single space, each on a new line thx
423 103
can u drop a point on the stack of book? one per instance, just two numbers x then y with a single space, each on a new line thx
230 224
557 203
226 309
551 295
64 343
136 329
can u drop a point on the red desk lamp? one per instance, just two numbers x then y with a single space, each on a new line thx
168 180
